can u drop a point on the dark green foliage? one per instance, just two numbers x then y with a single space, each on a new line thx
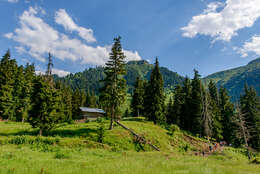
185 121
250 107
174 110
154 96
46 101
78 100
8 71
137 103
126 114
91 100
89 80
215 110
227 113
114 91
196 104
101 133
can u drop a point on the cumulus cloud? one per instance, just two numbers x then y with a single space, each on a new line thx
37 38
60 72
251 46
221 21
62 18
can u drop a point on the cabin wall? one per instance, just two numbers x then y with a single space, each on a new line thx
91 115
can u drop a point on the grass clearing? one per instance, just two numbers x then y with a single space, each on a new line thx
74 149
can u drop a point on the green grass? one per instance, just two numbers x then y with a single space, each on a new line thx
74 149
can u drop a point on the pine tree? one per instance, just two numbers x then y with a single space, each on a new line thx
19 85
196 104
206 114
8 70
227 113
29 76
185 118
216 115
77 102
138 98
45 111
250 107
154 96
174 113
114 91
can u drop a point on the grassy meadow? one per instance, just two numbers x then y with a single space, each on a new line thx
74 148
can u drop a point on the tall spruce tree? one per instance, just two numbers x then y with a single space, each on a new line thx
206 114
29 76
216 115
185 118
196 104
137 103
174 113
8 70
227 113
19 85
250 107
45 112
114 91
154 96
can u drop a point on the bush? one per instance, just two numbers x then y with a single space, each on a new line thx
101 133
173 128
60 155
18 140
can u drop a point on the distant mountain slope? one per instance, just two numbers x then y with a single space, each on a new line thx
90 78
234 79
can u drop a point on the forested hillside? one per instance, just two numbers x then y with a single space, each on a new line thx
90 78
234 79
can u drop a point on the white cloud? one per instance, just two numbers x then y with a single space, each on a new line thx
60 72
221 21
12 1
37 38
251 46
62 18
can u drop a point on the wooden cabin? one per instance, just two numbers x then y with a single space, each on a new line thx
91 113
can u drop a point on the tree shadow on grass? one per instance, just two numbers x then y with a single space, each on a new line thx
83 132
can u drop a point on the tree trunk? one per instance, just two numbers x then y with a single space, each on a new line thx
138 113
112 118
40 132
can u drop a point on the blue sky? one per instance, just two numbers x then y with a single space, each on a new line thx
209 35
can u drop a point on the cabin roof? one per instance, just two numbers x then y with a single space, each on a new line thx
93 110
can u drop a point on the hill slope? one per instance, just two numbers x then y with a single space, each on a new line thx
234 79
90 78
74 149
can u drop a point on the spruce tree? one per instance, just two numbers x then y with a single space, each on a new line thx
29 76
137 103
8 70
227 114
206 114
175 110
154 96
77 102
216 115
45 111
185 118
18 95
250 107
196 104
114 91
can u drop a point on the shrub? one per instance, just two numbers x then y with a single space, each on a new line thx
101 133
60 155
18 140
